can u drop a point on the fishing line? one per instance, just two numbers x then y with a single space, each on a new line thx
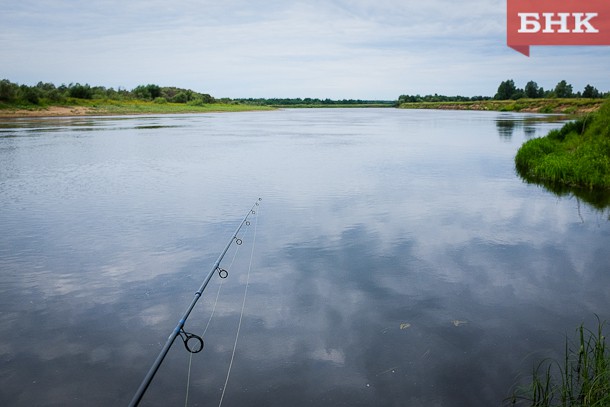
241 315
188 378
193 343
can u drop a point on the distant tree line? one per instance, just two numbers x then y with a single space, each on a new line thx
311 102
439 98
48 93
45 93
508 90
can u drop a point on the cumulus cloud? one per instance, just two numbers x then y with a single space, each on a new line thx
338 49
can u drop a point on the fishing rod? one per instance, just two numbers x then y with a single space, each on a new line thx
195 340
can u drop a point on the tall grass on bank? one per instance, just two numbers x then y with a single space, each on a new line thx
577 155
550 105
582 379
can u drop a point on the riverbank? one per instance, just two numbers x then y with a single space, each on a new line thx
577 155
382 105
113 107
559 106
101 107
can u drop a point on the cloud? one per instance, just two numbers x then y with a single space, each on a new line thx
238 48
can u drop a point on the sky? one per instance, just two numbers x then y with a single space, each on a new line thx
338 49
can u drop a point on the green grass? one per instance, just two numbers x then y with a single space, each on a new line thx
120 107
581 379
571 106
161 106
140 107
576 156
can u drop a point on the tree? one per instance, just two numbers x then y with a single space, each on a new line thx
563 90
541 92
80 91
590 92
532 90
45 87
30 94
506 90
155 91
207 98
149 91
181 97
518 94
8 90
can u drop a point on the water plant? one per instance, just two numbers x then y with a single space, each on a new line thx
581 379
577 155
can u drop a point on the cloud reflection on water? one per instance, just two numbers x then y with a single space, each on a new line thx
370 220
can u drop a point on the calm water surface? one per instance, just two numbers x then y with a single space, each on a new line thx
396 259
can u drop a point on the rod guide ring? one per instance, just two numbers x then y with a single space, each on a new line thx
222 273
193 343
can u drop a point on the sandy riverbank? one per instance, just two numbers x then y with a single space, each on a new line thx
53 111
577 107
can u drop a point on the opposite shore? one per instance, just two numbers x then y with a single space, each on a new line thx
575 107
114 108
565 106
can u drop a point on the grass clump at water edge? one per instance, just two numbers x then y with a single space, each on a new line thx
577 155
582 379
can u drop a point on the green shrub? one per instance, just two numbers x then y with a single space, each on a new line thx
196 102
181 97
30 94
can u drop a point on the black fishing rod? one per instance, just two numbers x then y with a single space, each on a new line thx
196 341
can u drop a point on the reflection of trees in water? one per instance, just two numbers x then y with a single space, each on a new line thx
506 126
530 131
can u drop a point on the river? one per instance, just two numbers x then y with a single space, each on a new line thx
396 259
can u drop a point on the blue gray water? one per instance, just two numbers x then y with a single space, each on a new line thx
396 258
